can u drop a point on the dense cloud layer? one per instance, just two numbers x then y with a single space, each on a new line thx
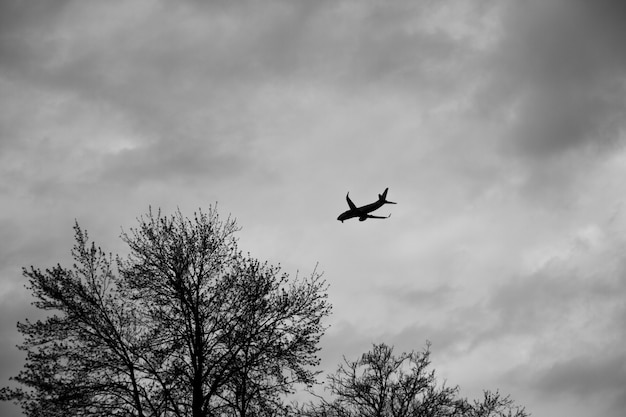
497 125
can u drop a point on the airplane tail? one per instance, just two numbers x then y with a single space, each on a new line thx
383 197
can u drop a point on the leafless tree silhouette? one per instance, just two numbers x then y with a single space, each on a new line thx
186 325
380 384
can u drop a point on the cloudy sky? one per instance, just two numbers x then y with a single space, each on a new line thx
498 126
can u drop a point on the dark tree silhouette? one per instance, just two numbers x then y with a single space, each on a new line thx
380 384
186 325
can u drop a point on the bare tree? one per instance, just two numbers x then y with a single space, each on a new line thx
186 325
380 384
81 360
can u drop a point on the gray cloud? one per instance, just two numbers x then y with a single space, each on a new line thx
561 66
557 69
174 78
23 26
419 298
172 161
552 85
582 376
573 305
218 47
595 380
586 282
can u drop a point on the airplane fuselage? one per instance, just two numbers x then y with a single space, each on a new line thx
360 211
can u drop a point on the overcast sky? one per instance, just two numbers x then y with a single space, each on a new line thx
498 127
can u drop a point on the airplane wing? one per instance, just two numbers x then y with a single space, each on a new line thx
350 203
371 216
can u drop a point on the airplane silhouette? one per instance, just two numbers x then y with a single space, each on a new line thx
363 212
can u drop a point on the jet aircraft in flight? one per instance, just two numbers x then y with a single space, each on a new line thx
363 212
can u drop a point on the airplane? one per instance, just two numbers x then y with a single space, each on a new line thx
363 212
